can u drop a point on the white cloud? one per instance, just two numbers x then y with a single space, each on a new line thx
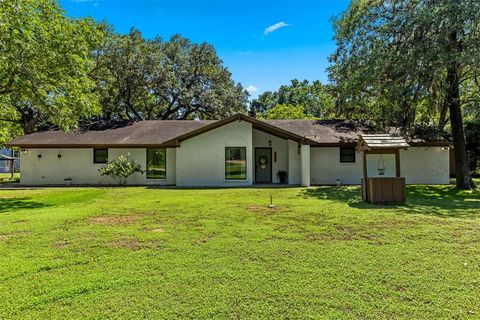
274 27
251 89
94 2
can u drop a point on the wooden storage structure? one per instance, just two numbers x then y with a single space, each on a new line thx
382 189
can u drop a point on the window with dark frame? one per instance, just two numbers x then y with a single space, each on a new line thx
347 155
157 163
100 155
235 163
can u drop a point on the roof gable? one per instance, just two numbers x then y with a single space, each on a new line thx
256 124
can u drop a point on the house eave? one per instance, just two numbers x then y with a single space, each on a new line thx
431 144
83 146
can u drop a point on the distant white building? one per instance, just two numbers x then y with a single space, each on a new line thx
236 151
5 166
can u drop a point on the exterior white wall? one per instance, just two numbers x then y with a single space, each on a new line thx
279 145
77 164
326 167
294 163
388 160
419 165
425 165
305 164
200 161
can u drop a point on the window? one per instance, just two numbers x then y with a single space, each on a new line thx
156 164
235 163
347 155
100 155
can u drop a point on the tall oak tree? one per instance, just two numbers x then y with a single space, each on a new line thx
45 65
394 57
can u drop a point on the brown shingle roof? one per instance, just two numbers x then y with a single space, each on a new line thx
142 133
165 132
325 131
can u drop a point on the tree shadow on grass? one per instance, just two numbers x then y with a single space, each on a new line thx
13 204
441 201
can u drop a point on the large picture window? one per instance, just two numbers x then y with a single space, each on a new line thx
100 155
347 155
235 163
156 164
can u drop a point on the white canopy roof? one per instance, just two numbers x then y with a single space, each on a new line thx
381 141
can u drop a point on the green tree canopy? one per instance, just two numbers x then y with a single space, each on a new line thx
285 112
155 79
315 99
45 65
403 61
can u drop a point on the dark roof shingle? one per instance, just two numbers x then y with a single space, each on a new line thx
163 132
326 131
149 132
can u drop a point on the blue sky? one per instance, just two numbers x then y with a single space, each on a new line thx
296 45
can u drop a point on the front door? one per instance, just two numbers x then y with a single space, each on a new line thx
263 165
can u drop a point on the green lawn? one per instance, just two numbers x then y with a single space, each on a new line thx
221 253
6 177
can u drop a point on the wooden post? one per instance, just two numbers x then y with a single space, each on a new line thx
365 164
397 162
365 177
12 169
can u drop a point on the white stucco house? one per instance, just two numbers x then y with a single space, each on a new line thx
236 151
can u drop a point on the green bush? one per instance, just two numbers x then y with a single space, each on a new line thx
120 169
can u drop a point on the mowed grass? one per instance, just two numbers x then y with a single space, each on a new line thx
6 177
135 253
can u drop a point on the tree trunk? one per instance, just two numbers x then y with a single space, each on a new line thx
442 122
462 170
452 99
408 118
28 122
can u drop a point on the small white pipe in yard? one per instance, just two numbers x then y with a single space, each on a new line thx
271 201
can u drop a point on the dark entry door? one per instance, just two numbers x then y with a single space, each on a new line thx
263 165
